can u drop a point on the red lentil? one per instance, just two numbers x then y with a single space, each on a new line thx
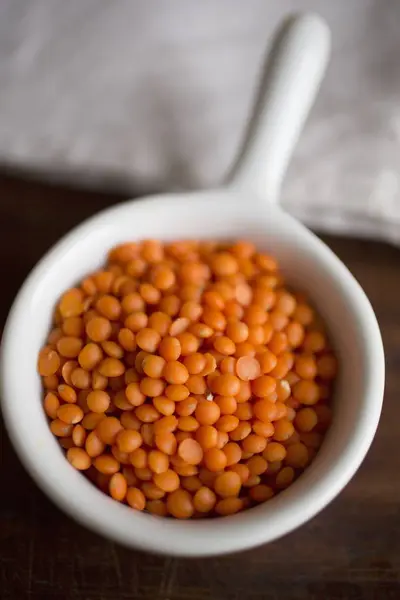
187 379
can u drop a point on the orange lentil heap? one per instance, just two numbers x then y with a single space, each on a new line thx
186 379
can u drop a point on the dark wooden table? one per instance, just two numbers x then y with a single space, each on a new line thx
351 551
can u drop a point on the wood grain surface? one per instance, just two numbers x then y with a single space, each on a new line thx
351 551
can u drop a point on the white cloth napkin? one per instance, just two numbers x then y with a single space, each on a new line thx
157 94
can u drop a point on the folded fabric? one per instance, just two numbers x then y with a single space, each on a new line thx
157 95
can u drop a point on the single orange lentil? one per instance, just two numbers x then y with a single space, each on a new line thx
166 442
150 294
297 455
226 385
180 504
50 382
204 500
168 481
189 343
283 430
79 436
135 322
134 394
177 392
69 346
186 407
263 386
147 413
284 477
144 474
67 368
158 461
245 349
187 423
261 493
71 303
233 453
252 481
106 464
244 411
228 506
164 405
314 341
109 307
195 363
306 392
164 424
224 345
170 348
295 334
60 429
227 484
49 361
151 387
135 498
227 404
130 421
107 429
227 364
306 419
227 423
93 445
128 440
215 459
179 326
90 356
254 443
153 366
241 431
126 339
157 507
98 329
80 379
190 451
248 368
175 372
152 491
72 326
274 452
78 458
111 367
223 439
305 366
51 405
118 487
138 458
112 349
257 465
162 277
265 410
207 412
67 393
70 413
91 420
265 429
207 436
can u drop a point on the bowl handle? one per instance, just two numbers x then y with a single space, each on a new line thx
294 70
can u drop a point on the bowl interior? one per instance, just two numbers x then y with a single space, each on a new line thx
307 263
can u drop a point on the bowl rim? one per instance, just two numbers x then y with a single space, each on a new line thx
228 534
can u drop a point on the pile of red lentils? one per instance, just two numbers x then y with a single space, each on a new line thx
186 379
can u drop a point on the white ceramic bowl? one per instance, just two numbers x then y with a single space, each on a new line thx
229 213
